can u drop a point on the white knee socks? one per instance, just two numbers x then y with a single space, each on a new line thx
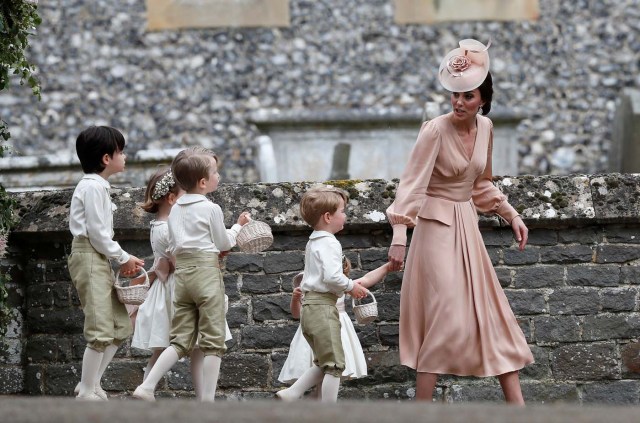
330 387
109 352
91 361
197 358
210 373
152 360
165 362
310 378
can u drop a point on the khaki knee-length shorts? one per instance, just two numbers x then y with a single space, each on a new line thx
106 320
199 305
321 326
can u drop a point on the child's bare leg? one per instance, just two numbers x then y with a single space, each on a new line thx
197 358
425 383
91 361
152 360
330 388
510 383
310 378
210 373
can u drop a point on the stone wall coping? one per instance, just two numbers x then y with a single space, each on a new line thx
64 159
297 117
543 201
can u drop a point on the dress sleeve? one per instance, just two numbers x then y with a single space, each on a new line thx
164 241
414 181
486 196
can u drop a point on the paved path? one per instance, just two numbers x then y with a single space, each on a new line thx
68 410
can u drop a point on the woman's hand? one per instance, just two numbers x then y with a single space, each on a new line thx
520 231
396 257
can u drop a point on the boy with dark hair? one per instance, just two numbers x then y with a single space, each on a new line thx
106 322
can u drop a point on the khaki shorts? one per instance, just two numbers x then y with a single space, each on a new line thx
320 324
199 305
106 320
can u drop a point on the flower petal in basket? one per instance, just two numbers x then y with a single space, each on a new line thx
254 237
365 313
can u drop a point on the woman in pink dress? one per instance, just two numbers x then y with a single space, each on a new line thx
454 316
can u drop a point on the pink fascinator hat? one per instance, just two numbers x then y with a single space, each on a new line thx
465 68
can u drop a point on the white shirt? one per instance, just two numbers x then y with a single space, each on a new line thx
197 225
91 216
323 265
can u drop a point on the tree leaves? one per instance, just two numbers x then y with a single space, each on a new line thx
18 21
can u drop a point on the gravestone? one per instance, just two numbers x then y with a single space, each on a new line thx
299 146
624 154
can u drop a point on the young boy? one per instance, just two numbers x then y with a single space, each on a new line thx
106 323
322 284
196 238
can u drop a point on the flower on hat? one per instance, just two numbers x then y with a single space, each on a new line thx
458 64
163 186
466 67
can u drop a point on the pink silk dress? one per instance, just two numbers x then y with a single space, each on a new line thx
454 316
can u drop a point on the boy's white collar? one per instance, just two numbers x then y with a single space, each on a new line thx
320 234
191 198
96 177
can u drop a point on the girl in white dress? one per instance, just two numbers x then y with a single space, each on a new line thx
300 356
153 321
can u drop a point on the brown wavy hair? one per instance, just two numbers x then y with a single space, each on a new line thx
150 205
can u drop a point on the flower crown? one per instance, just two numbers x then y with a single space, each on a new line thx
163 186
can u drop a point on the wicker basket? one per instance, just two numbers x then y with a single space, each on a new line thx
132 294
254 237
365 313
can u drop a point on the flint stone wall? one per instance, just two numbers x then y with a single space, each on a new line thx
574 290
563 73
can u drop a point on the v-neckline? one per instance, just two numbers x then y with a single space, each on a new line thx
475 140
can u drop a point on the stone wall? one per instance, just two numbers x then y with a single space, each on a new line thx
562 74
575 292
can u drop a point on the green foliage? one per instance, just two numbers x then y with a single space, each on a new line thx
18 21
7 220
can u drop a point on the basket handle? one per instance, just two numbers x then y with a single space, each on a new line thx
353 300
143 271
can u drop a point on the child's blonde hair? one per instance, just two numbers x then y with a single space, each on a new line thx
191 165
159 186
320 200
